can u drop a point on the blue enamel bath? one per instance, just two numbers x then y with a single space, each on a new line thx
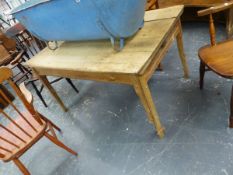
74 20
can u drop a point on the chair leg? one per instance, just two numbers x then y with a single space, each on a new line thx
231 110
202 74
39 94
160 67
52 130
53 125
60 144
72 85
27 56
21 166
20 68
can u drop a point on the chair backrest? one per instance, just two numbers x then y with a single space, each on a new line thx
3 103
152 4
210 11
15 137
8 43
30 43
3 53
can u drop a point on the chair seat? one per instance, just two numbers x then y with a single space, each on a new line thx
219 58
35 136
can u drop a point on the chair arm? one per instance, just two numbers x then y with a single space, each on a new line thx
215 9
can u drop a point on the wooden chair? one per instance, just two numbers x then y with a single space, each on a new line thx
33 46
13 57
152 4
217 57
20 133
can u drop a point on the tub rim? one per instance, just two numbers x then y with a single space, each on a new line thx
27 5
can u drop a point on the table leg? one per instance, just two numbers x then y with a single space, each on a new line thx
46 83
180 46
160 68
143 91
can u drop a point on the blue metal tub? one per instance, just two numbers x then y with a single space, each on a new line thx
72 20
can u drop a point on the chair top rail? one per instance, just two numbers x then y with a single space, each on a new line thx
215 9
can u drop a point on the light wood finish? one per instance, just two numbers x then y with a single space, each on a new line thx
46 83
179 38
152 5
20 133
32 46
134 65
142 89
218 55
165 13
26 93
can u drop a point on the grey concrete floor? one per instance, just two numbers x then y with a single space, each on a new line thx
107 125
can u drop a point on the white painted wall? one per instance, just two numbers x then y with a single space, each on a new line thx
4 9
15 3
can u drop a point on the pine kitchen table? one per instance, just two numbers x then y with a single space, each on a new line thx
134 65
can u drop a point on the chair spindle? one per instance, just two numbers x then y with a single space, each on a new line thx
17 110
9 118
5 149
8 141
12 133
212 31
25 102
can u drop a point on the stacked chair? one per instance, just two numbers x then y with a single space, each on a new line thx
19 50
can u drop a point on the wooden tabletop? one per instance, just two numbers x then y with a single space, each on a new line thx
99 56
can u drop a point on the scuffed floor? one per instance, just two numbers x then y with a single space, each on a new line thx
108 127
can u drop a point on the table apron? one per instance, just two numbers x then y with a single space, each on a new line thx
159 55
94 76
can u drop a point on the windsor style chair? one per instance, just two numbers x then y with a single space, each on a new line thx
217 57
18 134
152 4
